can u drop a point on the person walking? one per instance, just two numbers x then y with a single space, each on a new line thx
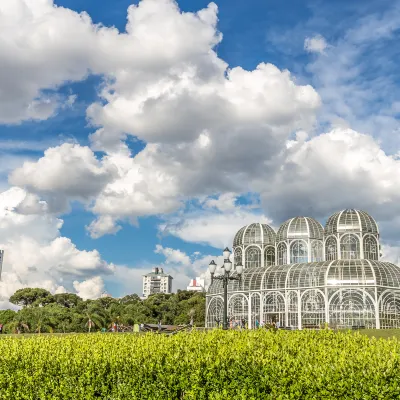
1 328
159 326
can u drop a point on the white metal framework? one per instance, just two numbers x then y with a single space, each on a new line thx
334 276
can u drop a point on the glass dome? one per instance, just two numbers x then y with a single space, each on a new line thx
255 233
300 227
351 221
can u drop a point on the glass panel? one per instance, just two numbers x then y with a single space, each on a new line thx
370 248
331 249
253 257
282 254
351 307
349 247
298 252
269 256
316 251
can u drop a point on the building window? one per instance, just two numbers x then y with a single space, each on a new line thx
299 252
331 249
282 254
269 256
370 248
349 247
316 251
238 256
253 257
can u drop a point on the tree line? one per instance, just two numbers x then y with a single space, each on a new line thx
42 311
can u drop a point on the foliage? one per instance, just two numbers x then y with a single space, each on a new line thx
28 297
201 365
66 312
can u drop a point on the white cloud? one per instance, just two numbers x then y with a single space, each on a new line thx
168 87
69 171
390 253
103 225
209 129
357 77
173 256
316 44
35 253
43 46
223 202
336 170
90 289
211 227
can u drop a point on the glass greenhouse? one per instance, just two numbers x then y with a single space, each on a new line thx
306 276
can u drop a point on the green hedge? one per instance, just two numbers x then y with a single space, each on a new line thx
200 365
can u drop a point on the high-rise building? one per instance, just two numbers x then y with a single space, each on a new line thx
156 282
196 285
1 261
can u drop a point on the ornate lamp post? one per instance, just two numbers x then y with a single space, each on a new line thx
225 278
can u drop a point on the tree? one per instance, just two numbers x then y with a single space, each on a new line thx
130 299
93 317
67 300
67 312
19 323
27 297
7 316
42 320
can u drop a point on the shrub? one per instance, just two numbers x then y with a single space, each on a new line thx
200 365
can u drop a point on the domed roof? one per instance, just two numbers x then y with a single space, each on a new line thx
300 227
255 234
351 221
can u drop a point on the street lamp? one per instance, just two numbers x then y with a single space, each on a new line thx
225 278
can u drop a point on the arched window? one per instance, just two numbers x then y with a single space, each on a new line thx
282 254
269 256
253 257
370 248
298 252
316 251
331 249
349 247
238 256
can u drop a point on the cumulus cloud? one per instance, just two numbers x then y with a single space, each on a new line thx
172 255
224 202
36 255
336 170
211 226
69 171
315 44
90 289
103 225
209 129
44 45
165 84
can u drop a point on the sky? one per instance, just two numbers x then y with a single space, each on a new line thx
146 133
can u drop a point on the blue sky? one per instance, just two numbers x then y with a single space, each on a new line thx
351 80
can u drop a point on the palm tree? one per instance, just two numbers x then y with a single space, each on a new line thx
42 321
93 318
